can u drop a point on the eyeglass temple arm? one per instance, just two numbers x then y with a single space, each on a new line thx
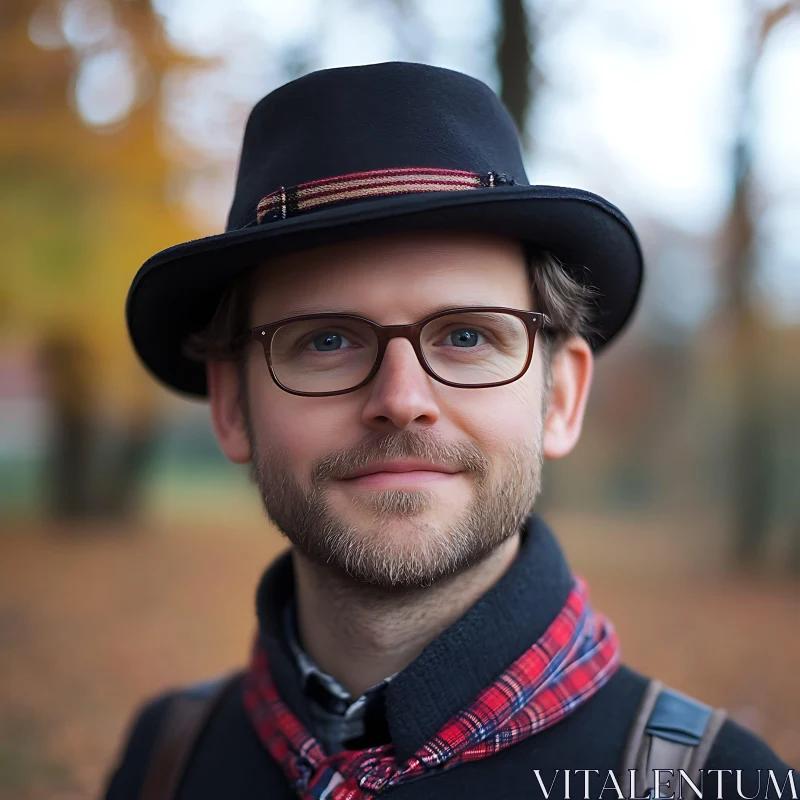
243 338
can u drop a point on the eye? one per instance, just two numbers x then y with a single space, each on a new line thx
327 342
469 340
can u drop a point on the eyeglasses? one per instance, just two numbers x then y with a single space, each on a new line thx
316 355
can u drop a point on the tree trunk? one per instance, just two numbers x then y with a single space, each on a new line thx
752 436
122 493
79 485
68 475
514 58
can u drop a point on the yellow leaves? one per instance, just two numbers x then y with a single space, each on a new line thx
81 209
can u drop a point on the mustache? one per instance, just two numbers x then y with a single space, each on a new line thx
461 455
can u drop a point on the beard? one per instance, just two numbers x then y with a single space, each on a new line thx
380 555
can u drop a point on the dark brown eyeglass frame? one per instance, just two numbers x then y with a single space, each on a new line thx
534 321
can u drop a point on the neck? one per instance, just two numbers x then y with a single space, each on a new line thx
362 634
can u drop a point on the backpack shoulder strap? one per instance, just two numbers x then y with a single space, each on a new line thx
670 731
185 719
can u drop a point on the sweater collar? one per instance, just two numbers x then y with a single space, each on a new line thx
460 661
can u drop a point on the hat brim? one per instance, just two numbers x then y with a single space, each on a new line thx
176 291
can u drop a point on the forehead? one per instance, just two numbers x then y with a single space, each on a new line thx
410 273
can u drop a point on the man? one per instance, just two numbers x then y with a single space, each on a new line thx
394 331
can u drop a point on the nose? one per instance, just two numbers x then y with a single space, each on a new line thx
401 393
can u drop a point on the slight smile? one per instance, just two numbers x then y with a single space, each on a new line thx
392 479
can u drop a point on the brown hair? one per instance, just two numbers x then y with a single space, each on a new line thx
569 304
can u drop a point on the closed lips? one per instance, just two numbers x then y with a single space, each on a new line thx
401 466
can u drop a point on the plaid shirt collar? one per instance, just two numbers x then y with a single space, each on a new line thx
457 665
337 718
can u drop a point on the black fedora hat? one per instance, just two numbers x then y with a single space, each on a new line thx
358 151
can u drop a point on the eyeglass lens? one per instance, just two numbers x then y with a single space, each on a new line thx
331 354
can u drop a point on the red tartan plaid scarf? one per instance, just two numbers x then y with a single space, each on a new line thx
575 656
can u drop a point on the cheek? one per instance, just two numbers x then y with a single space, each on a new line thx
509 415
296 427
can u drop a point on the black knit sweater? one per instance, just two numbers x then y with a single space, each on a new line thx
230 761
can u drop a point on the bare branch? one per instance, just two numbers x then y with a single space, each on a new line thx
775 16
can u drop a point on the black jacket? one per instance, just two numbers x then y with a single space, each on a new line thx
230 761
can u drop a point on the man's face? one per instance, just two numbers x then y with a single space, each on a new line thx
398 533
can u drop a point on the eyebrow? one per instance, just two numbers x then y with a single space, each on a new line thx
301 310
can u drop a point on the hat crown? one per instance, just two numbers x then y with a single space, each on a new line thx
376 117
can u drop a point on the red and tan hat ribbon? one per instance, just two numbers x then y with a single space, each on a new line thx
286 201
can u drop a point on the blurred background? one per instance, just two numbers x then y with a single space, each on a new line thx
130 550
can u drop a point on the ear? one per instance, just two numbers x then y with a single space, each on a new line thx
226 412
573 366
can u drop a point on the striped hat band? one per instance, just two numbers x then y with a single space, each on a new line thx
287 201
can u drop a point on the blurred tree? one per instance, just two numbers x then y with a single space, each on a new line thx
515 59
753 435
84 199
515 52
64 362
516 43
